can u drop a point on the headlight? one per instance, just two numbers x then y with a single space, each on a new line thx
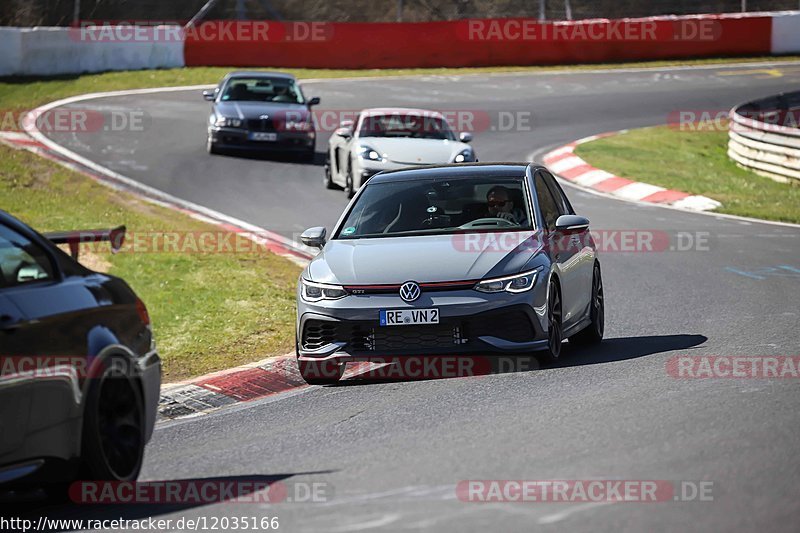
516 283
225 122
314 292
293 125
369 153
465 156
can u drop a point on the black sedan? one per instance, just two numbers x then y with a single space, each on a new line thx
263 112
79 371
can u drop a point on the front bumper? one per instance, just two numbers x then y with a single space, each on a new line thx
239 139
470 323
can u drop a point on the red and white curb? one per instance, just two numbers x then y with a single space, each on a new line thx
564 163
246 383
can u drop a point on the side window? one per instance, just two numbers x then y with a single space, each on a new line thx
21 261
561 200
547 205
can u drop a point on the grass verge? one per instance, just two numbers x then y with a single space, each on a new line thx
695 162
24 93
210 311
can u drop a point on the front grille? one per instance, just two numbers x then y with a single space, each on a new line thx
318 333
416 337
511 325
259 124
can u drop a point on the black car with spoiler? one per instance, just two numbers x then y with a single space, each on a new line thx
79 371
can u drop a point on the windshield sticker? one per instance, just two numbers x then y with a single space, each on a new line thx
349 230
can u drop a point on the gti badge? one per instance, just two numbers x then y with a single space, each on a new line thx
410 291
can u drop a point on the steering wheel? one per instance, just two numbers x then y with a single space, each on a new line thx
491 221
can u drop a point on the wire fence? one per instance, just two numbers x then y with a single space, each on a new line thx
66 12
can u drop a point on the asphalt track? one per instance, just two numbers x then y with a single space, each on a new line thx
392 453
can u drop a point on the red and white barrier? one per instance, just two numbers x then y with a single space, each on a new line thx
487 42
459 43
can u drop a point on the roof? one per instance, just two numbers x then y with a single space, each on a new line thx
454 171
374 111
258 74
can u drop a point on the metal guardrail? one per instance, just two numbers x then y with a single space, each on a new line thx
764 136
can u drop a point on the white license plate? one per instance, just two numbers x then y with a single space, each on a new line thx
263 136
408 317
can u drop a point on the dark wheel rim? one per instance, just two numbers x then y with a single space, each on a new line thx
348 188
328 180
554 322
598 308
120 425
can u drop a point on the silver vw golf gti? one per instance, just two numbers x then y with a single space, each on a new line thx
460 259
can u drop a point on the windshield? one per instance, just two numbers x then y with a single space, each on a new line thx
408 125
435 207
262 90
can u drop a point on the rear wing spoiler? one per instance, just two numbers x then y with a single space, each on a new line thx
116 236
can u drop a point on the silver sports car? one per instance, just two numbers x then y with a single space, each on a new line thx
449 260
388 139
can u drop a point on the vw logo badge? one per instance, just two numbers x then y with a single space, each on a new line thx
410 291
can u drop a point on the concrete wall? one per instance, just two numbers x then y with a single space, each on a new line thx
50 51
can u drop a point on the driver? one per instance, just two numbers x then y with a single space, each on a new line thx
500 205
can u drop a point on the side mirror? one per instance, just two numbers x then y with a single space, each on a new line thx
344 132
572 223
209 95
465 137
314 237
313 101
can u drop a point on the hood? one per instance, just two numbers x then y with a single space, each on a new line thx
254 110
429 258
415 151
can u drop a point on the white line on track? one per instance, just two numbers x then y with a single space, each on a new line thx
375 523
562 515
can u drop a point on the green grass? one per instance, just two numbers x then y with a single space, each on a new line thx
24 93
210 311
695 162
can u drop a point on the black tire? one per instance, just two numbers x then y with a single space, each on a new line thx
593 333
328 179
555 332
321 372
349 190
113 427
